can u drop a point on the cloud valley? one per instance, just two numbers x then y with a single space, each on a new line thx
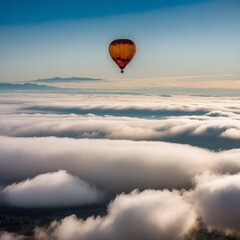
170 158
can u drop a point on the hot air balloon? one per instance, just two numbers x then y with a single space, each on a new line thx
122 52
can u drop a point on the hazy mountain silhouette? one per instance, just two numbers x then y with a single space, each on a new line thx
70 79
25 86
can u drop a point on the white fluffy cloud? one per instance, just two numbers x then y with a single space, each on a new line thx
217 198
154 214
58 189
110 127
60 103
147 215
112 165
231 133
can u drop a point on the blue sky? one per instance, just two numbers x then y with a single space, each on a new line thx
28 11
176 38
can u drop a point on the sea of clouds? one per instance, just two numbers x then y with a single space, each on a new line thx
166 164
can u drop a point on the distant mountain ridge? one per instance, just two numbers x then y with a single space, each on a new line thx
70 79
25 86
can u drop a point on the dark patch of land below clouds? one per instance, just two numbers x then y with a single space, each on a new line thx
24 220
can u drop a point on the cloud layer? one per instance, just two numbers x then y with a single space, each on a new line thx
61 150
146 215
208 132
57 189
207 122
218 200
112 165
155 214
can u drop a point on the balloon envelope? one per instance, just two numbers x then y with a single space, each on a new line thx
122 51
